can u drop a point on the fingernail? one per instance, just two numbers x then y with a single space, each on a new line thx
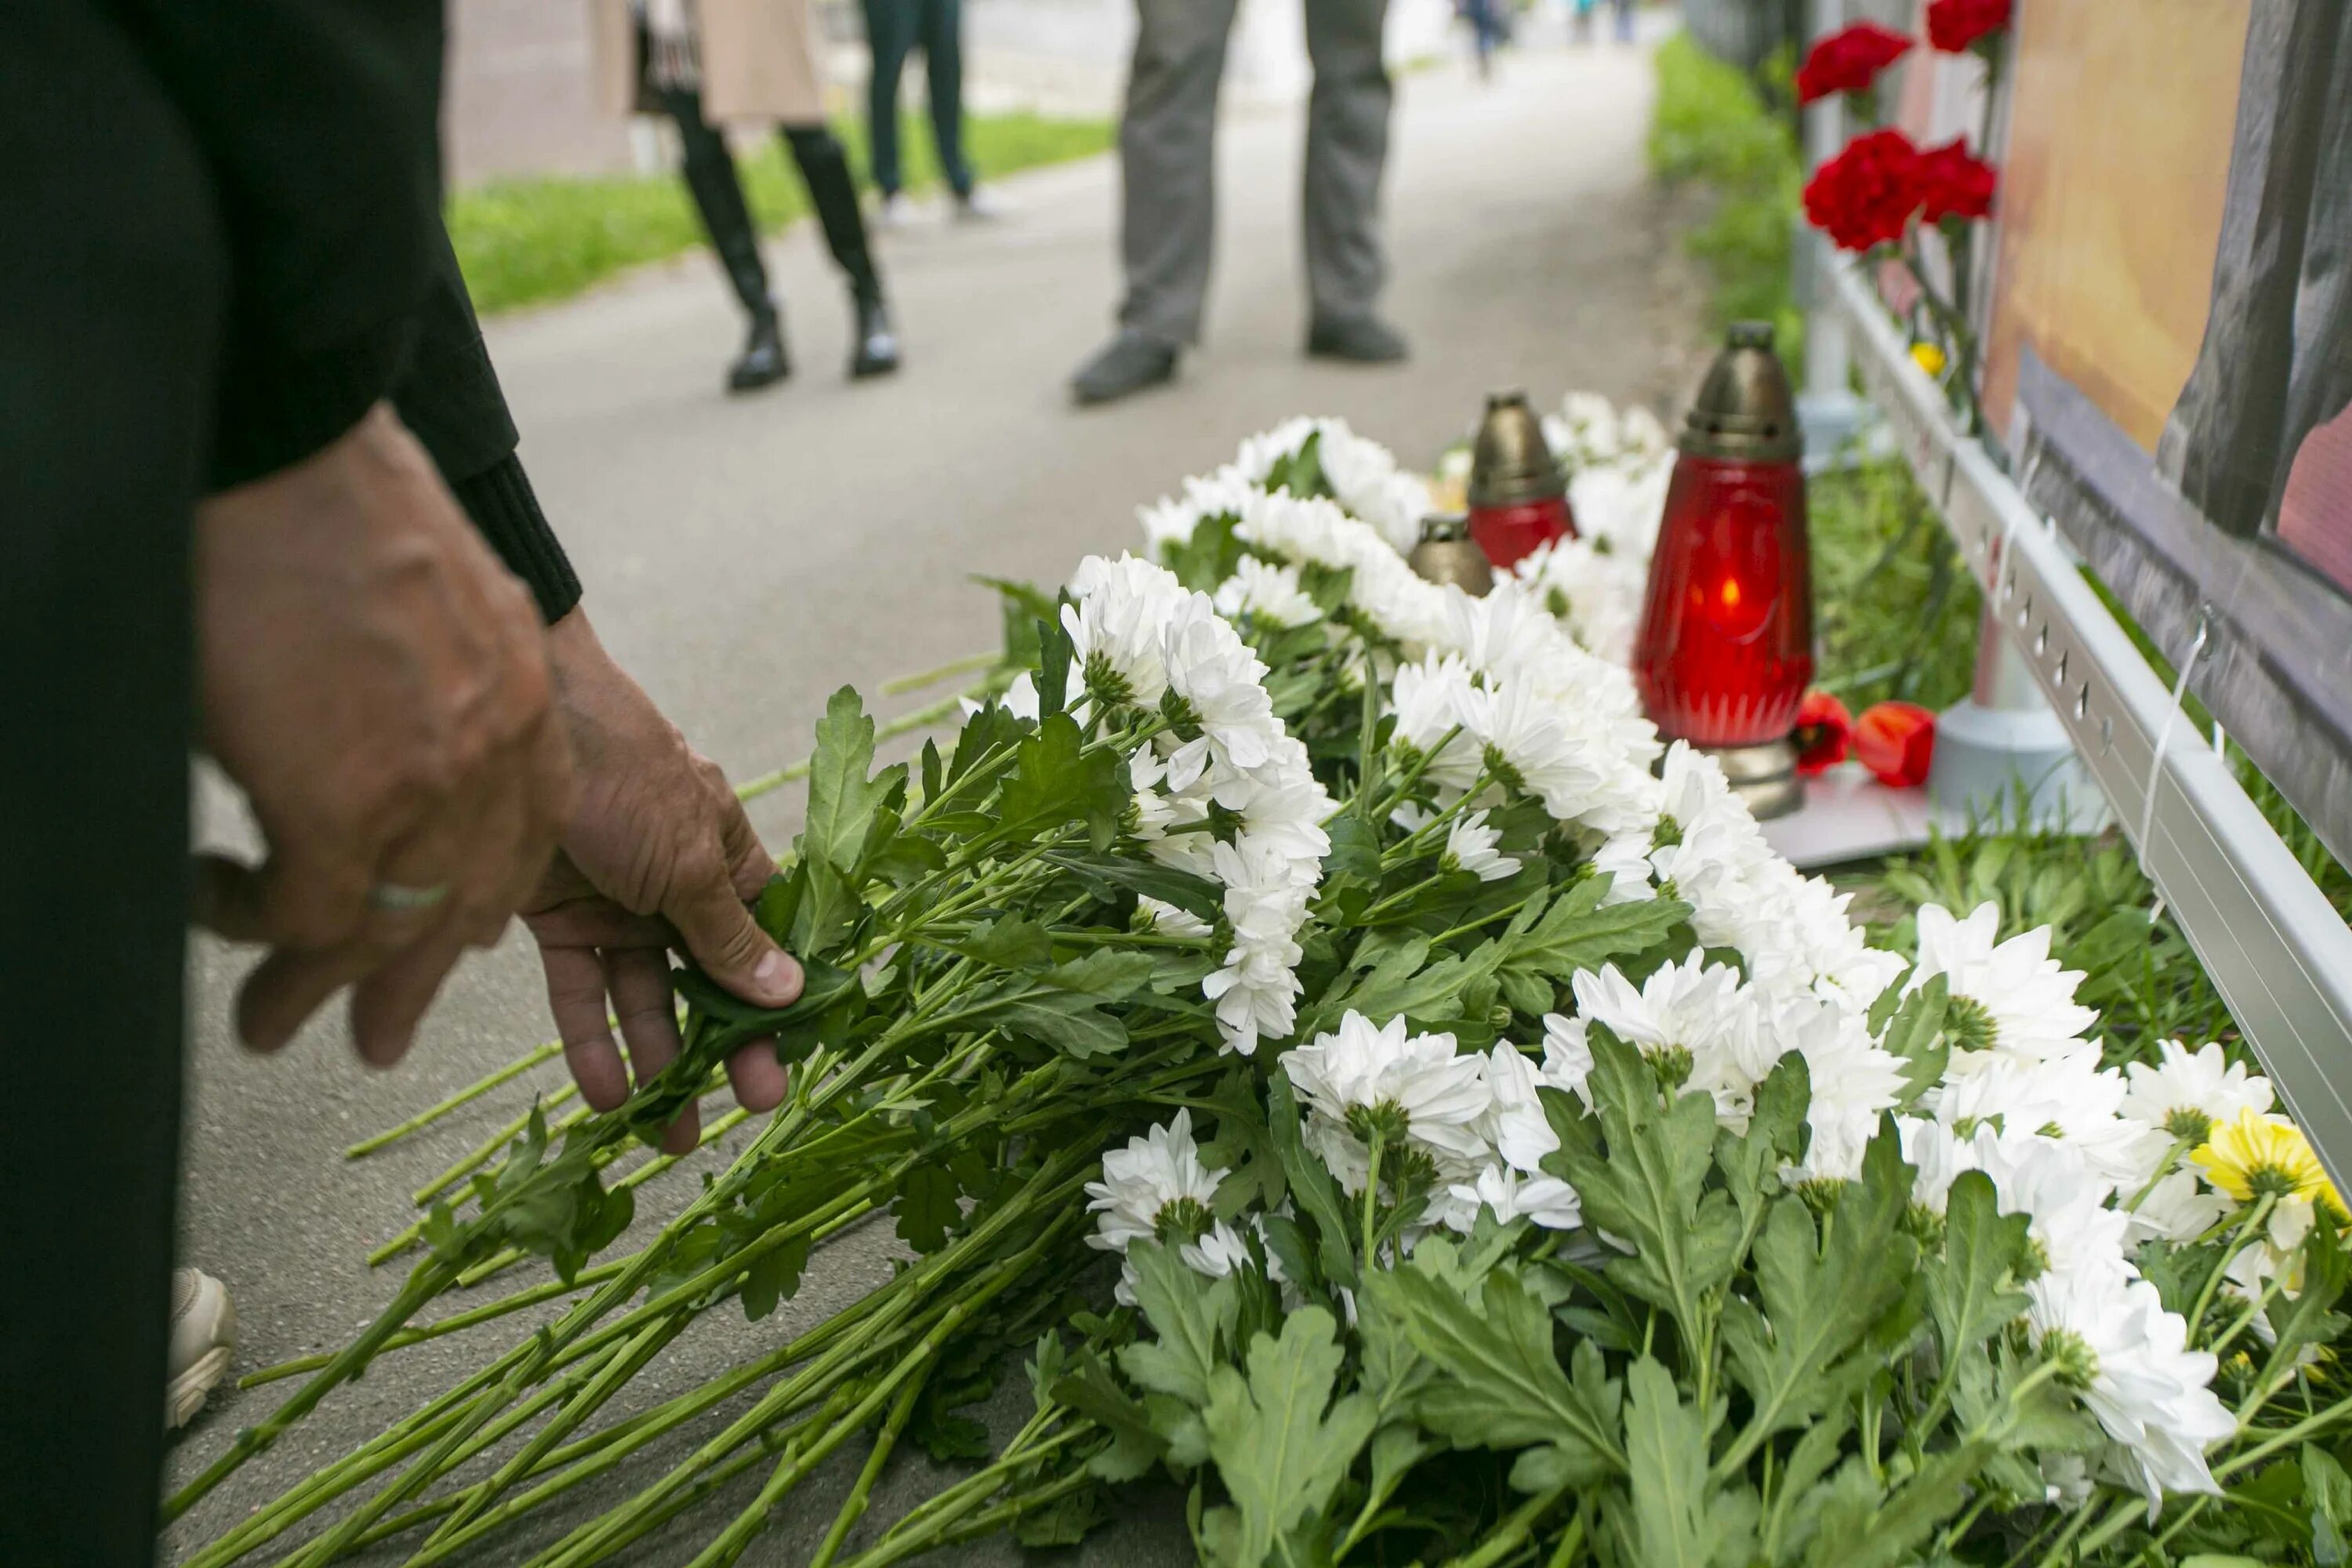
778 975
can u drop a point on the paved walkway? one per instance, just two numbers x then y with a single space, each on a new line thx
746 557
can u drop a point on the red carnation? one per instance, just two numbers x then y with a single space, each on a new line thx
1866 193
1953 25
1849 61
1954 183
1824 733
1896 741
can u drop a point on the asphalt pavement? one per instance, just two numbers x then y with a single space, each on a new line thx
746 556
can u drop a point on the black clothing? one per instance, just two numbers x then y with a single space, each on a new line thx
894 28
712 180
221 247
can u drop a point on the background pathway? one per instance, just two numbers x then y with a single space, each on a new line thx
745 557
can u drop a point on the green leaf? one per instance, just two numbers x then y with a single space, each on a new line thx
1281 1444
2329 1491
1665 1453
1577 933
1916 1036
1971 1283
1194 895
1010 943
926 1207
1091 1391
1499 1386
1355 850
1057 780
1061 1522
1861 1529
1821 1296
1401 985
1649 1186
2311 1317
842 799
774 1277
1751 1161
1311 1184
1192 1318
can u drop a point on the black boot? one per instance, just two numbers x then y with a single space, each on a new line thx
763 360
824 171
874 344
717 193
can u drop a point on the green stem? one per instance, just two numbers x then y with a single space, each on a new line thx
1511 1535
966 665
924 718
1372 1197
2254 1218
853 1508
480 1086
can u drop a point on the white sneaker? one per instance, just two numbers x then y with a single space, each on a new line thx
204 1328
978 205
890 212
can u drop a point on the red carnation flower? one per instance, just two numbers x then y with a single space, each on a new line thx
1866 193
1955 183
1824 733
1849 61
1953 25
1896 741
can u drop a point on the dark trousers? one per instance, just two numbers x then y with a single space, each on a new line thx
718 190
894 28
116 280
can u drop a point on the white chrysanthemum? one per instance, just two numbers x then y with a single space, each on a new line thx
1694 1020
1019 699
1170 522
1267 592
1363 1076
1567 1056
1221 686
1470 846
1285 808
1854 1083
1168 921
1937 1156
2068 1097
2177 1209
1155 1187
1256 992
1516 1123
2128 1361
1118 612
1597 595
2009 996
1433 699
2187 1093
1546 1201
2064 1199
1529 743
1625 856
1507 635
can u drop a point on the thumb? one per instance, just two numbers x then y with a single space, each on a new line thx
724 939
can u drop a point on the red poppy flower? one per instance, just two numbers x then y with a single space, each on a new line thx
1953 25
1955 183
1896 740
1824 733
1865 195
1849 61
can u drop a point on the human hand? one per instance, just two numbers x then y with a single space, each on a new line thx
377 684
658 855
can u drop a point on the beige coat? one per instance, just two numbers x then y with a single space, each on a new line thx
761 60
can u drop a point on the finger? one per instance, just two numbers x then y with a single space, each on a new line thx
388 1003
759 1079
638 979
724 939
289 985
575 995
749 864
300 897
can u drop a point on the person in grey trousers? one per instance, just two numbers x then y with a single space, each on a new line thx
1167 146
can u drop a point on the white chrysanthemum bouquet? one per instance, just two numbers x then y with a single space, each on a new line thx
1507 1157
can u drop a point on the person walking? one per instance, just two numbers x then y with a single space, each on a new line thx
1489 31
1167 151
894 29
703 60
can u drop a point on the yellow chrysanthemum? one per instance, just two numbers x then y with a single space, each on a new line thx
1929 357
2258 1154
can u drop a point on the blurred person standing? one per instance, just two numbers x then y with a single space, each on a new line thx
1167 138
894 29
703 60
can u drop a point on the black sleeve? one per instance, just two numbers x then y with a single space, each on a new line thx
316 120
449 395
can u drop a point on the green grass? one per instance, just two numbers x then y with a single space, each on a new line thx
1895 615
531 241
1713 129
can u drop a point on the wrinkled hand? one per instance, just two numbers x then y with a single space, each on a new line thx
659 855
377 684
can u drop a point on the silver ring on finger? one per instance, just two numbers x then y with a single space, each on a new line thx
393 898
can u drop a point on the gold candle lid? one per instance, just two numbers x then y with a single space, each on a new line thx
1745 411
1510 462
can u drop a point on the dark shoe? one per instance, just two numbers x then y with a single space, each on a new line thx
1360 339
875 349
763 360
1129 364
